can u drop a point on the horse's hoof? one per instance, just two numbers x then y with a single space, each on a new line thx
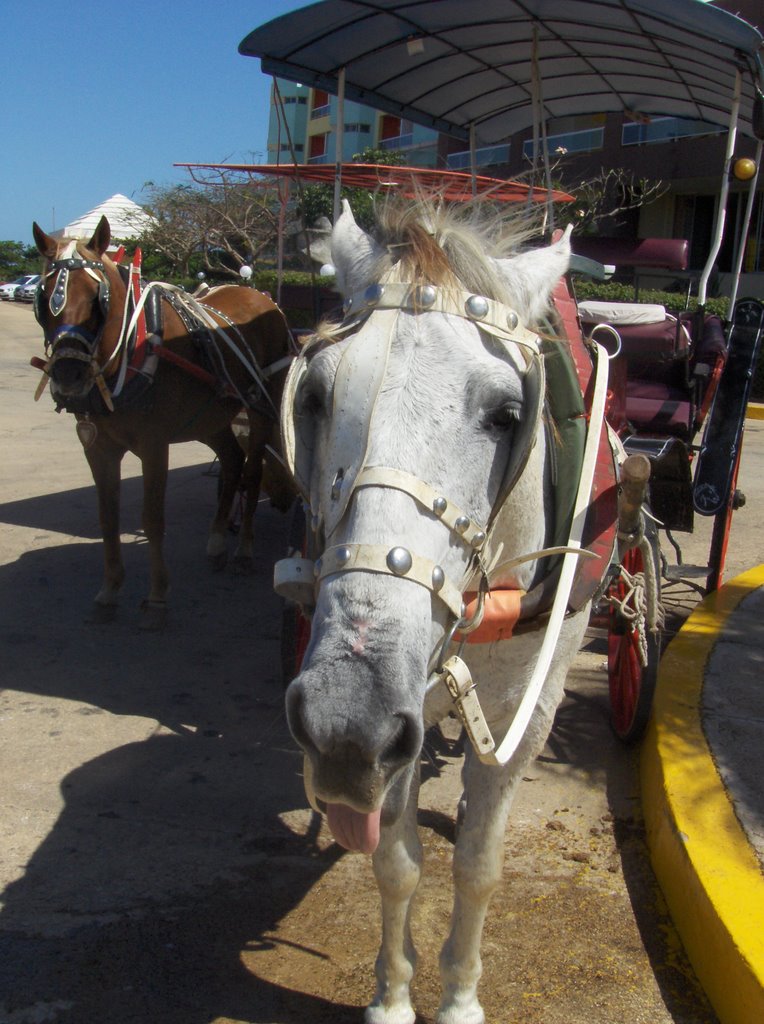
218 561
101 614
153 616
243 565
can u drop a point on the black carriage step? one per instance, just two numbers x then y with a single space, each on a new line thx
677 573
723 432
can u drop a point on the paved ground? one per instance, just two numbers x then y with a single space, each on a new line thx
157 855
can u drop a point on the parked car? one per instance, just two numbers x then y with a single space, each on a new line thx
8 290
26 292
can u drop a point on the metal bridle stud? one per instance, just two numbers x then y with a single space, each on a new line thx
439 506
478 540
373 294
425 296
399 561
476 307
462 524
512 320
438 578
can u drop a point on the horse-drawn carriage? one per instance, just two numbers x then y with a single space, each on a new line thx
449 436
466 500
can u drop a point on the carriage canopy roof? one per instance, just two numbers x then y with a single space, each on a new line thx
453 64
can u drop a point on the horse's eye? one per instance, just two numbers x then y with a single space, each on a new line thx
310 400
502 417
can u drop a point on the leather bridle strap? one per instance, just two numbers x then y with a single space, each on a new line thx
380 558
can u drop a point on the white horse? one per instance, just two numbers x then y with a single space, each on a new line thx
414 431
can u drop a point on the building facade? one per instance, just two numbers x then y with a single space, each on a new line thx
686 156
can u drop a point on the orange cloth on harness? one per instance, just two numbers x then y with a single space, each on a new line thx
500 616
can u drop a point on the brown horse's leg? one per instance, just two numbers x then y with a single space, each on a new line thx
259 435
231 457
105 458
155 464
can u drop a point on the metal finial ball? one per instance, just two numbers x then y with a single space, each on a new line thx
476 307
342 555
438 578
462 524
399 561
439 506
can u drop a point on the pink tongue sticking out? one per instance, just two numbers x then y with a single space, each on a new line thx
352 829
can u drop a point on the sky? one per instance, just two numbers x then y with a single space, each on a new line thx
102 97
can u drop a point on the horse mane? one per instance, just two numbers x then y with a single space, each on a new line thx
450 245
444 243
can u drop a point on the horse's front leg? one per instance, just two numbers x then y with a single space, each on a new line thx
397 868
231 458
477 869
155 467
104 457
259 435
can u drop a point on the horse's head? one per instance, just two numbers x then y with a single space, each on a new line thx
72 306
409 425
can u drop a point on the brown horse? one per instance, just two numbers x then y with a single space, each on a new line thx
143 366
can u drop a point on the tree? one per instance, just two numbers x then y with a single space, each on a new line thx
17 259
216 225
605 201
317 201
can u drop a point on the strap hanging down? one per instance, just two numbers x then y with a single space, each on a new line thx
488 752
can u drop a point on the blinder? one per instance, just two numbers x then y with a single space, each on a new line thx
62 268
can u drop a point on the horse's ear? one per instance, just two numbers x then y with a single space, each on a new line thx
101 237
531 277
45 244
354 253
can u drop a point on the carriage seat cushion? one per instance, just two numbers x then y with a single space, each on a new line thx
655 407
661 253
621 313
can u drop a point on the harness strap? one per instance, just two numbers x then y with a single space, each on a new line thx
428 497
518 726
393 562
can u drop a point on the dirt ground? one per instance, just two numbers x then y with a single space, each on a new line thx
158 858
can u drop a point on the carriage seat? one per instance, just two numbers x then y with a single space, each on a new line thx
672 364
642 257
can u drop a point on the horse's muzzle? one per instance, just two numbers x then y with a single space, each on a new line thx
356 750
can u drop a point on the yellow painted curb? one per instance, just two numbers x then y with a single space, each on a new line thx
754 411
707 869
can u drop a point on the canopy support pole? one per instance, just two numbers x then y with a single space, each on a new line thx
339 140
473 159
721 211
744 229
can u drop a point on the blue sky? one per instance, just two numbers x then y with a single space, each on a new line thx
101 97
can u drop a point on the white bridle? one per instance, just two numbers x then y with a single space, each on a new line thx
359 377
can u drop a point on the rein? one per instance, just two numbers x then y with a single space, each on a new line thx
376 309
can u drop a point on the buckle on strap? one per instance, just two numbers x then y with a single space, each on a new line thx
458 681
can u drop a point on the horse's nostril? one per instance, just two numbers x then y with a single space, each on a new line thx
294 711
405 743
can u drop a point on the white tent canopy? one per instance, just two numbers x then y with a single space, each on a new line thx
125 218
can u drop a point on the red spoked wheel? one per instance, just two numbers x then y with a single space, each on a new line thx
633 656
295 626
